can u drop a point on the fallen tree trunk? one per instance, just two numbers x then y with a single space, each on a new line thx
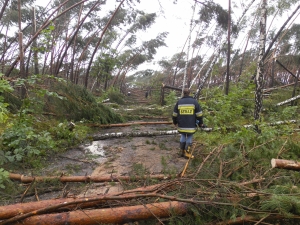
276 88
97 137
284 122
285 164
117 215
154 117
86 179
288 100
128 124
171 87
68 204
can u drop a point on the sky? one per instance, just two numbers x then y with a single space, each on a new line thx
173 18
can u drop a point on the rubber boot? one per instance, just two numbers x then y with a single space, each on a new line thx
187 152
182 148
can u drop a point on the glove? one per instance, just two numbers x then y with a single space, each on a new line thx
197 123
175 121
203 126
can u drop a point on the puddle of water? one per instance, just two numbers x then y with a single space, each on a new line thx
96 148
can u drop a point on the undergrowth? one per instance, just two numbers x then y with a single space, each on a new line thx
36 127
234 154
229 178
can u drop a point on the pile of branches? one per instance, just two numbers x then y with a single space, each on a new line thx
190 199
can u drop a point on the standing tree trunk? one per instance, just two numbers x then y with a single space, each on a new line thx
46 24
188 50
21 50
293 103
74 49
34 44
228 50
73 38
98 43
272 73
260 62
204 79
4 5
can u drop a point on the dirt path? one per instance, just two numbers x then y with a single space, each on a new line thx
135 155
122 156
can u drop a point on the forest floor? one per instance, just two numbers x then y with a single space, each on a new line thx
122 156
129 156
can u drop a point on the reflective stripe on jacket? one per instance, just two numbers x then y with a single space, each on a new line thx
186 111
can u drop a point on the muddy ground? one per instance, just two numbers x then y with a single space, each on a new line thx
123 156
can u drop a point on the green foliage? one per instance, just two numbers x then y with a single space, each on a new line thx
139 169
64 100
243 154
4 87
3 177
284 204
45 39
23 143
79 104
65 137
113 95
228 110
289 113
103 67
171 98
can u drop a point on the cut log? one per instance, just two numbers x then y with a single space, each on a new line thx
117 215
285 164
96 179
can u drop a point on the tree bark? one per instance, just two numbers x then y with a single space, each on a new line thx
276 88
294 103
295 76
128 124
46 24
171 87
98 43
71 40
188 50
279 32
133 134
288 100
204 79
71 203
4 5
34 44
74 48
285 164
117 215
96 179
228 49
260 63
